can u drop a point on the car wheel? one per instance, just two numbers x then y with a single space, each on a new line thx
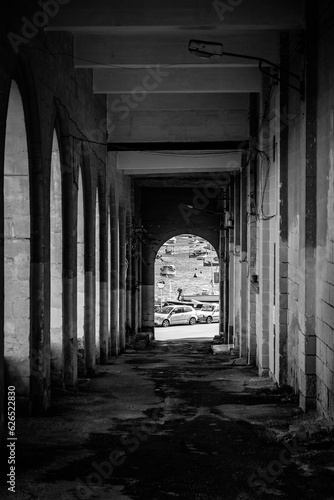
165 323
209 319
192 321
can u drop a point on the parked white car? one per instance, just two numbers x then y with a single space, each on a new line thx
175 315
209 313
168 270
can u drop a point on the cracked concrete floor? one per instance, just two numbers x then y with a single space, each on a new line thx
173 421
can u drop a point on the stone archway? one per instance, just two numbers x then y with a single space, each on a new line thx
196 267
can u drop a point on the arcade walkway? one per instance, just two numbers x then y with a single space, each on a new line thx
173 421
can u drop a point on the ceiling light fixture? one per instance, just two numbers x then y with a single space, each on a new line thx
207 50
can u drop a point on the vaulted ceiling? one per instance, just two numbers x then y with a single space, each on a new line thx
162 97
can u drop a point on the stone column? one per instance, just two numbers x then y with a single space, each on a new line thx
147 289
122 277
128 319
252 229
70 200
104 334
308 344
114 281
237 265
135 296
243 261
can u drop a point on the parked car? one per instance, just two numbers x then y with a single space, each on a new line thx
199 306
175 315
168 270
209 313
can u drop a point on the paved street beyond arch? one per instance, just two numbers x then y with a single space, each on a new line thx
174 421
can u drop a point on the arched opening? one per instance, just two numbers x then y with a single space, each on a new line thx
80 278
186 278
56 267
17 250
97 277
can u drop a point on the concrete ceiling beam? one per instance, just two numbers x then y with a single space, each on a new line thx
185 147
85 15
178 102
210 180
148 126
96 50
176 80
141 163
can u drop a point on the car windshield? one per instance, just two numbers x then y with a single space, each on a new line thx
166 310
207 308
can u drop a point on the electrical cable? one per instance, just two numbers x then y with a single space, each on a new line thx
84 138
267 103
263 216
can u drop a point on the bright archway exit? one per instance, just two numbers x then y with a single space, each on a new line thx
186 289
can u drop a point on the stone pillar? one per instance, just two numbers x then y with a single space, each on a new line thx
252 230
122 277
128 319
104 334
140 290
147 289
222 285
308 344
237 265
90 285
243 261
70 197
282 253
230 260
114 281
134 295
89 328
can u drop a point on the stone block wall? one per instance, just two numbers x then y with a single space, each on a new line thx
325 227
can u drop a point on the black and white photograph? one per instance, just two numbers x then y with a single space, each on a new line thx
167 250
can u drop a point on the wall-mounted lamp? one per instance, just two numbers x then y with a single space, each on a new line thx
207 50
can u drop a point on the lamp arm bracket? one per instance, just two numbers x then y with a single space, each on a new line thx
261 61
299 89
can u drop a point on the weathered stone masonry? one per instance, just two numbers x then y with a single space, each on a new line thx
76 284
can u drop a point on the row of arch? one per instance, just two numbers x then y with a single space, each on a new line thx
66 302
